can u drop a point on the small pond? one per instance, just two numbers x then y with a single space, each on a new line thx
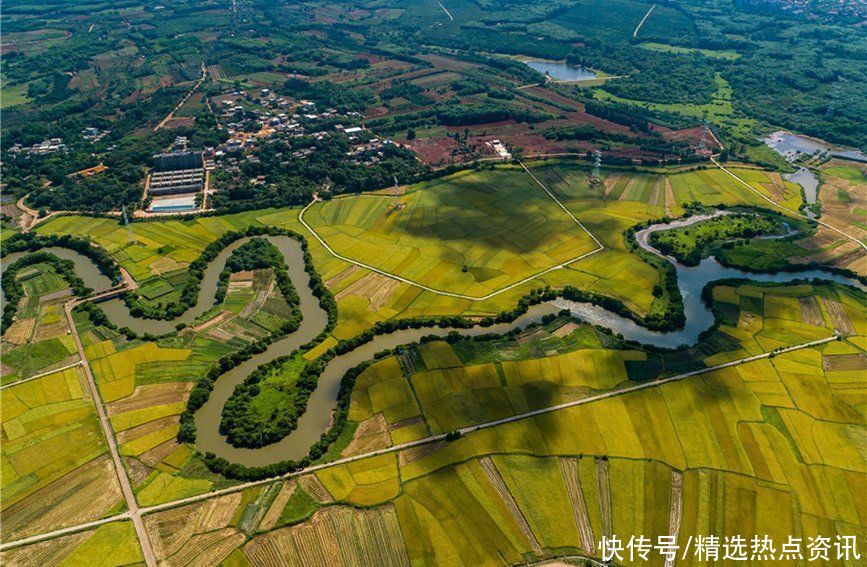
561 71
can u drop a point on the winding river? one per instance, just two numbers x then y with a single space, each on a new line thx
691 281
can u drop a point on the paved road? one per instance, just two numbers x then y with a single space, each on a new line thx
321 241
777 205
446 11
644 19
123 479
34 377
403 446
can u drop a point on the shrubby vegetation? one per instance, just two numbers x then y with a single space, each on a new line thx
690 244
13 291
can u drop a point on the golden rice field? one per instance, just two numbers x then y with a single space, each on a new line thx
55 468
529 233
771 447
471 233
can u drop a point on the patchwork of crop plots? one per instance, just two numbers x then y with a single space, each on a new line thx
37 340
779 436
757 432
56 471
145 385
109 544
492 216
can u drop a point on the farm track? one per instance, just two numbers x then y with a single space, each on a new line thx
331 251
509 500
675 514
401 447
569 470
122 477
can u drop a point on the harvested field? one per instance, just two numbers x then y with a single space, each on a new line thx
413 454
676 511
149 396
335 281
839 318
314 487
569 468
811 313
565 330
155 456
334 536
603 489
503 490
19 331
80 496
205 550
172 530
376 288
370 435
50 552
843 362
273 514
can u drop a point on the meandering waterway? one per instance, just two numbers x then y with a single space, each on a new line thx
317 418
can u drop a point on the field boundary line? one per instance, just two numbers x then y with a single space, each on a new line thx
144 510
797 214
331 251
562 206
42 375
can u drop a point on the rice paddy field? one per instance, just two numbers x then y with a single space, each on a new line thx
108 545
778 441
767 447
55 464
435 252
38 341
145 385
471 233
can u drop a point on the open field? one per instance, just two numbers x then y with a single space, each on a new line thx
439 387
714 54
109 545
162 249
55 472
843 195
645 461
471 233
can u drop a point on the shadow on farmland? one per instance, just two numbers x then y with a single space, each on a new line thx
515 219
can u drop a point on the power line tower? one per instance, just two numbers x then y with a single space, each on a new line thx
702 144
130 236
597 163
396 193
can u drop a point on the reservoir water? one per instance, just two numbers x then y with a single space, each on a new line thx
561 71
791 145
